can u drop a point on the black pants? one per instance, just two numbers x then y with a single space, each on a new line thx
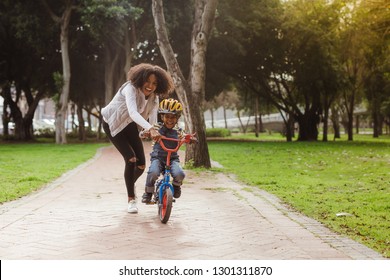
130 146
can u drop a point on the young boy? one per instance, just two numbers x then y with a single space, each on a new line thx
170 111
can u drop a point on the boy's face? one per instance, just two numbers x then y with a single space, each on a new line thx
169 120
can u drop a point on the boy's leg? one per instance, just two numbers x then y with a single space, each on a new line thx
153 173
178 176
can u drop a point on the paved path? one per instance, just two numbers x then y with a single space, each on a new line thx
82 215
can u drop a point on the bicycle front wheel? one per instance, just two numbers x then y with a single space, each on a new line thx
165 207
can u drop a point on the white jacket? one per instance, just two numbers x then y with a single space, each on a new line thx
129 104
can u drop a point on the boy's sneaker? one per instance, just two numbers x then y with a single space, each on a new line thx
177 191
146 198
132 207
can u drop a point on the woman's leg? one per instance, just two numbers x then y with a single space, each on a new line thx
139 155
126 143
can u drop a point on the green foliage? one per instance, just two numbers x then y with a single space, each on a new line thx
217 132
321 179
258 48
103 18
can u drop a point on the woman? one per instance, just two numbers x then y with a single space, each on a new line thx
136 101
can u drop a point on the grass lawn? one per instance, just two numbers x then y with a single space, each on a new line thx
27 167
321 180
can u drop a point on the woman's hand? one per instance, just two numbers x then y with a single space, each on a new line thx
154 134
144 134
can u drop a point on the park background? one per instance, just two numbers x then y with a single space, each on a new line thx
318 69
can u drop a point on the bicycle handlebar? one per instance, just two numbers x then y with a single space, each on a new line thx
186 139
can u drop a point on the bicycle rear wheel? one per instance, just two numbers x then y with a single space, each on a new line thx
165 207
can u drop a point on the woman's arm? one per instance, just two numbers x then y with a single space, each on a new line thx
130 93
153 113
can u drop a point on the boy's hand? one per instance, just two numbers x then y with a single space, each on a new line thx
193 140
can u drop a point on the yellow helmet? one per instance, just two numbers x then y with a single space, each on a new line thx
170 106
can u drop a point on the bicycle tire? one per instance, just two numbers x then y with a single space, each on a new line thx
165 208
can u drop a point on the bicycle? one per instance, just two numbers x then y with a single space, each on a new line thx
163 195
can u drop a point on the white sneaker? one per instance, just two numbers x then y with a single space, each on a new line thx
132 207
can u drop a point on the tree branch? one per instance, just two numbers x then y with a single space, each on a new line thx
50 11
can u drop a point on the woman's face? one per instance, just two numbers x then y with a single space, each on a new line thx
150 85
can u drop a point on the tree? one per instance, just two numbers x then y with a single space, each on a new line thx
87 89
117 27
374 22
28 55
245 37
310 28
247 47
352 48
191 91
226 100
62 18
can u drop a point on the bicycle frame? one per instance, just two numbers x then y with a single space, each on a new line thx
165 201
167 173
164 183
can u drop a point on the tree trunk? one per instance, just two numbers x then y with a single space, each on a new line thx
224 116
376 116
62 106
8 104
5 115
6 93
23 124
64 98
289 128
308 130
336 128
289 125
350 126
212 117
350 105
17 118
130 43
111 60
32 106
81 129
335 123
325 129
192 92
241 124
244 127
357 124
376 123
114 62
257 116
28 132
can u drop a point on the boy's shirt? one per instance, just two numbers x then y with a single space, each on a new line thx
158 152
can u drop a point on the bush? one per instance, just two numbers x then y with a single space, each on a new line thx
44 132
217 132
88 134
